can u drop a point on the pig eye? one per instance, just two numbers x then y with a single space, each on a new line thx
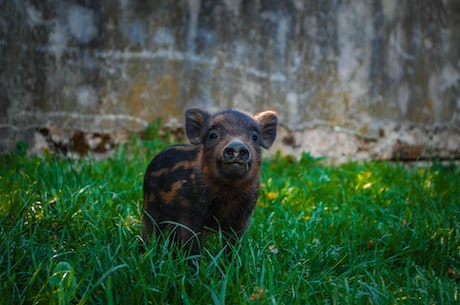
255 137
213 134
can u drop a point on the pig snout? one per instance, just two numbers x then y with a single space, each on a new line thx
236 152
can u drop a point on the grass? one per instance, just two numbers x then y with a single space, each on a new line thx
372 233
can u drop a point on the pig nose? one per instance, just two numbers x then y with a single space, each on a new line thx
236 152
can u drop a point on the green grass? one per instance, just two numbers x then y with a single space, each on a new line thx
372 233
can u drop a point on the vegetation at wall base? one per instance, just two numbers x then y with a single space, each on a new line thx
358 233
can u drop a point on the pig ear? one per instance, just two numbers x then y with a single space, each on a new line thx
195 123
268 121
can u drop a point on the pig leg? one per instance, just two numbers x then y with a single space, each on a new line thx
191 237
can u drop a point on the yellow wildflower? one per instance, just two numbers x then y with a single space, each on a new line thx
272 195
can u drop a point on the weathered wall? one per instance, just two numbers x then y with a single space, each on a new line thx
349 78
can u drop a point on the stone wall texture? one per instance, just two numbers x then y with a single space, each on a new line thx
351 79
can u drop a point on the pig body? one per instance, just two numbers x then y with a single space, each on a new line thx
212 183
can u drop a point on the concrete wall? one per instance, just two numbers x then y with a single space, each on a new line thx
350 79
